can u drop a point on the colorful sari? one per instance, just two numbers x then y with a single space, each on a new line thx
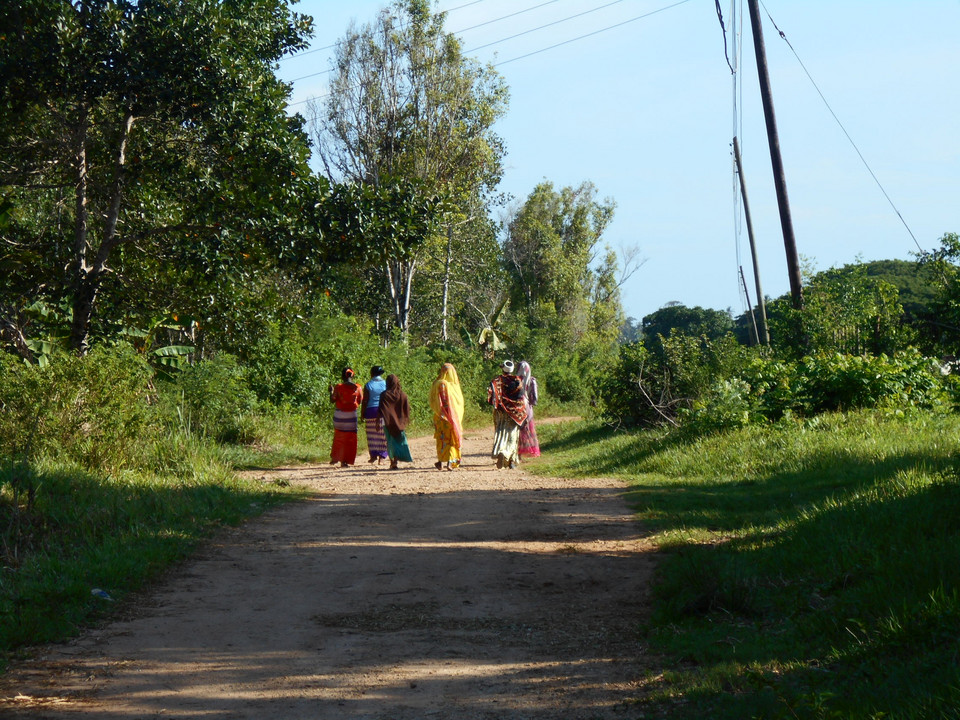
346 398
509 413
529 445
446 400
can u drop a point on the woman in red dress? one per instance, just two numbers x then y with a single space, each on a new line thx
346 398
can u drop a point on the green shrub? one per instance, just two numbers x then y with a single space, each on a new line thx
86 410
282 371
212 398
728 405
843 382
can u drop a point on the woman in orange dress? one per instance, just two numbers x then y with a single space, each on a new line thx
346 398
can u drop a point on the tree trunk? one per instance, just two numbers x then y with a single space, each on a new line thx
79 331
446 280
90 276
400 279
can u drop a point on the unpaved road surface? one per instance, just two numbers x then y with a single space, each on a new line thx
412 594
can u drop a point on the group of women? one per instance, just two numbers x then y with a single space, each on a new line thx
385 412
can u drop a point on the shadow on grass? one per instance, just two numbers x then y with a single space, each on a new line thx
82 532
848 606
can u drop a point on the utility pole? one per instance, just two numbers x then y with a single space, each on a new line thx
773 139
763 336
753 318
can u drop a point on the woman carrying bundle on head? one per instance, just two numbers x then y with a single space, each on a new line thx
446 400
395 413
346 398
509 413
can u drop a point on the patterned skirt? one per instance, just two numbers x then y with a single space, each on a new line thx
344 448
447 450
376 440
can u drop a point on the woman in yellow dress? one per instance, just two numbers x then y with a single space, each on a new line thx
446 400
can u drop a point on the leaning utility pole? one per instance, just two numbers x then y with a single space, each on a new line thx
761 302
786 223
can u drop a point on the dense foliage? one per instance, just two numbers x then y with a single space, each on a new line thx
851 346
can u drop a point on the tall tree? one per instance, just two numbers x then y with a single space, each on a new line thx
549 251
143 138
405 104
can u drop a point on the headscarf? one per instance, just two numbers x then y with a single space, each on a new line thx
394 407
529 381
453 412
347 375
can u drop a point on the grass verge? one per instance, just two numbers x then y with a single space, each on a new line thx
66 532
810 569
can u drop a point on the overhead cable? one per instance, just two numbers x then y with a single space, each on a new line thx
840 124
551 47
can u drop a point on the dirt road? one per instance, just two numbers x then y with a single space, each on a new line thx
410 594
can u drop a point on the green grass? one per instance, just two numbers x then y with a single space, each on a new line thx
809 570
114 532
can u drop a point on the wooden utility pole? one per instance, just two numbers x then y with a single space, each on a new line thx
753 318
773 139
764 333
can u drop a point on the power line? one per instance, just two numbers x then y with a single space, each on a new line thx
546 25
456 32
443 12
551 47
840 125
595 32
504 17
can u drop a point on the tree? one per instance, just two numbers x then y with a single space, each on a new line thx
142 140
406 105
845 311
944 266
680 319
549 251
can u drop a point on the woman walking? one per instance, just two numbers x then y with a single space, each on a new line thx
509 413
395 414
529 445
346 398
446 400
372 392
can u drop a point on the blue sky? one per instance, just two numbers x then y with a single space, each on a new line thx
643 107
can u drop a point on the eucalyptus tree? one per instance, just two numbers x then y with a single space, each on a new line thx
144 143
406 105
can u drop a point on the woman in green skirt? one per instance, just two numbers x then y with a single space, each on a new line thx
395 411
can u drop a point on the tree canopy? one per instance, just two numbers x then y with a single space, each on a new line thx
406 104
143 141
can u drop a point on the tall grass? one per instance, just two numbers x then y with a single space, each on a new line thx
810 569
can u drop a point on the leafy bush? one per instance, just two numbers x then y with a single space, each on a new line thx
651 387
842 382
282 371
728 405
86 410
212 398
